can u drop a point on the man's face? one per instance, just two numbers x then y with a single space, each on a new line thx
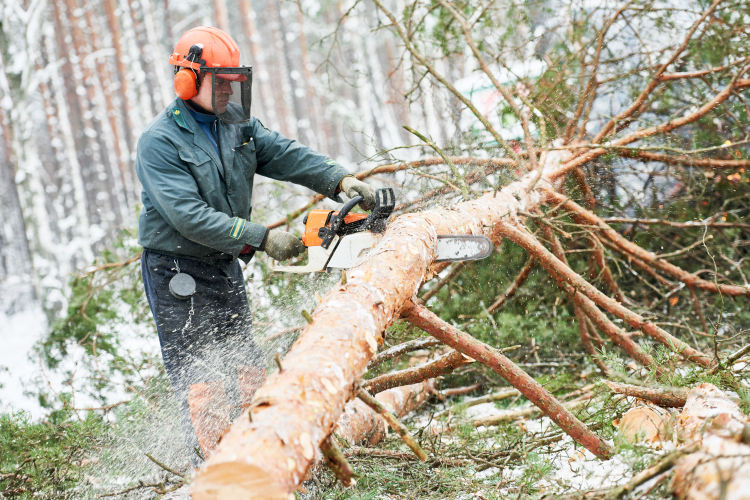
203 98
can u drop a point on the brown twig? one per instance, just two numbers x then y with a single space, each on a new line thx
625 246
688 224
444 364
397 426
684 159
656 79
662 128
357 451
513 288
457 268
336 461
460 391
400 349
166 468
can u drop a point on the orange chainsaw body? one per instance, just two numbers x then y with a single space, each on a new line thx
321 218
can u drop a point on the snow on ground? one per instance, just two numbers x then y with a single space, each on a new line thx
19 330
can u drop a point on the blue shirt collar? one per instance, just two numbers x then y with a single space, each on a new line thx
201 117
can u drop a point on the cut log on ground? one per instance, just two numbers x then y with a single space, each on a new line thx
645 423
721 468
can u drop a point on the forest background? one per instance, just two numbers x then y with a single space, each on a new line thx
79 80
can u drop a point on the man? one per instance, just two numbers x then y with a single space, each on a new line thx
196 161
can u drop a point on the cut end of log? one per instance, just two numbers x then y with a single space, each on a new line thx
645 423
235 481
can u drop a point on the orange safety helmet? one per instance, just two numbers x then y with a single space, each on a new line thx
211 50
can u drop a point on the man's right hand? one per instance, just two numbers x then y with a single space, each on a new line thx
281 245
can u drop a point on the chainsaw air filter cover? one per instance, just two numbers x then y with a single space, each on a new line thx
182 286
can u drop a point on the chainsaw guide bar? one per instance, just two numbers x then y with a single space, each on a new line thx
337 240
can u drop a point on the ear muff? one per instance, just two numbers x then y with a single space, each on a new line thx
185 85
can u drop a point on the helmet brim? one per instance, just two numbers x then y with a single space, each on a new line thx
234 77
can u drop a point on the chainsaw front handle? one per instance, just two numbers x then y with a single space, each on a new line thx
327 233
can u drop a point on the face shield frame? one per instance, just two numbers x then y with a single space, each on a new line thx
240 80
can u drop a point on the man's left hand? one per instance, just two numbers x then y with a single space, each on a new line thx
354 187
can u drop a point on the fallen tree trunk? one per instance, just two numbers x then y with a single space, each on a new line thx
299 406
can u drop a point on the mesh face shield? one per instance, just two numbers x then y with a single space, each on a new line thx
231 93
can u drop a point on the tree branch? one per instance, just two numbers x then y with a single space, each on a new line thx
535 392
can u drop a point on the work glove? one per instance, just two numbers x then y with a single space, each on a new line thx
352 187
281 245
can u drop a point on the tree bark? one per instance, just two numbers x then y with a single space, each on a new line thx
336 461
298 407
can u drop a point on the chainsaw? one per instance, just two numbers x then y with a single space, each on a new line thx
335 240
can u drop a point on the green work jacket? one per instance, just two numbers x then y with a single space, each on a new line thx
196 203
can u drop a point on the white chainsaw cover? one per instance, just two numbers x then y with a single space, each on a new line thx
352 247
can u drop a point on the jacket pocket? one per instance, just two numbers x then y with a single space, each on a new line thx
195 156
244 157
203 171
